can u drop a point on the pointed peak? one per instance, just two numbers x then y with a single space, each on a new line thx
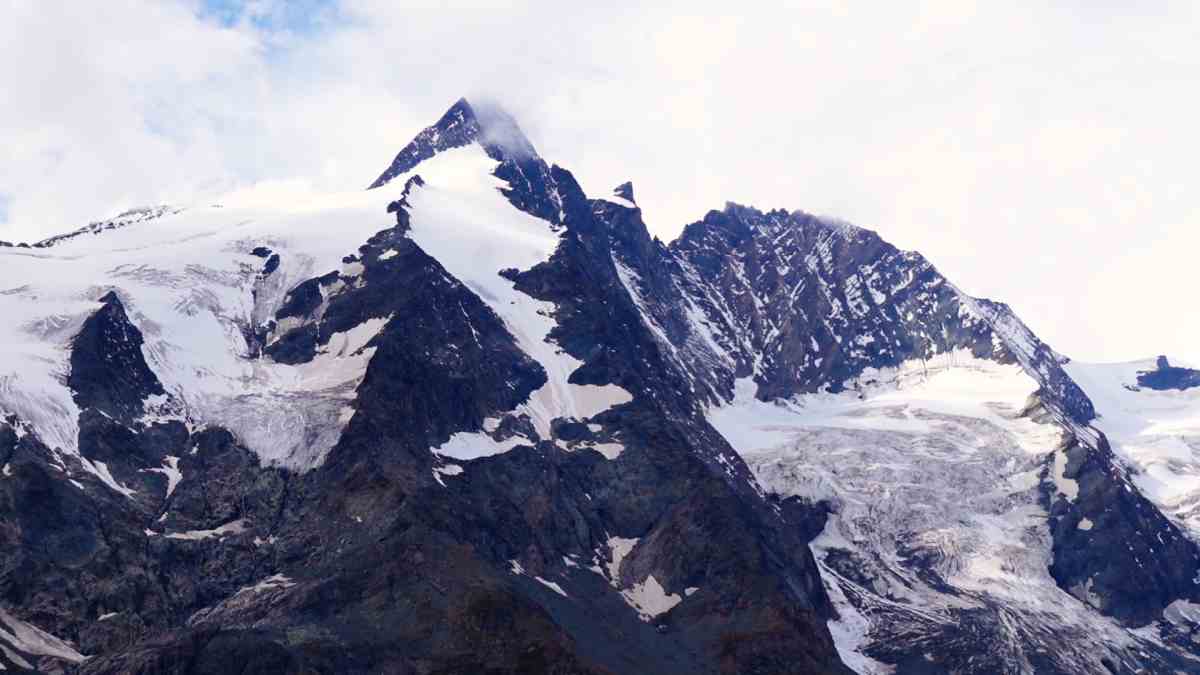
458 116
625 191
457 127
500 134
462 124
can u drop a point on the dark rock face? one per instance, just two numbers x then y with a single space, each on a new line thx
123 539
444 361
820 301
807 304
1166 377
400 206
73 550
1112 548
108 371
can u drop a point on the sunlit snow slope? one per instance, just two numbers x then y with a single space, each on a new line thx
460 217
932 473
190 283
1156 432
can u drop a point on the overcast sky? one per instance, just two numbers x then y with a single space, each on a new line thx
1043 155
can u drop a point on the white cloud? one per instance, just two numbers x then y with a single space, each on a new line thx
1042 156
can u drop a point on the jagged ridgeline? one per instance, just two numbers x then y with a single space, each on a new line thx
472 419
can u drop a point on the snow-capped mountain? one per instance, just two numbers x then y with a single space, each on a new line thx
471 419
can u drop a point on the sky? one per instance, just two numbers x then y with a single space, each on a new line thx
1042 154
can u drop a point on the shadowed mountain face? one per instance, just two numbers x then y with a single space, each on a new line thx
473 420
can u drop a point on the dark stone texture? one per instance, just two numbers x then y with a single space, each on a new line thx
271 265
298 345
108 371
1166 377
443 362
306 297
625 191
817 302
1132 562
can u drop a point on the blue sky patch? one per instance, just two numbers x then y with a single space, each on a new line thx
302 17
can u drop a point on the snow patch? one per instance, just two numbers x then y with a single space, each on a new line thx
30 639
473 445
170 469
460 218
610 451
552 586
1155 432
851 629
280 423
904 399
648 596
446 470
620 201
931 470
1067 486
620 547
273 582
188 283
650 599
1183 613
100 470
235 527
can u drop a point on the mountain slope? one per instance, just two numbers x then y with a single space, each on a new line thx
786 309
472 420
352 447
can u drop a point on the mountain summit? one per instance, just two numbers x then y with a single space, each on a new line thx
474 420
462 124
